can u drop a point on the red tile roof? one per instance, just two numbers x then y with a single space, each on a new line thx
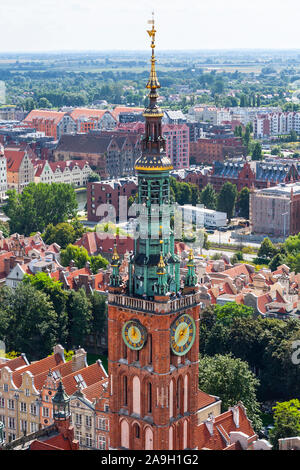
95 390
16 363
91 375
38 367
14 159
204 399
56 116
222 426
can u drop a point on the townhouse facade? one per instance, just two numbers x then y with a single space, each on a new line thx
27 390
20 169
71 172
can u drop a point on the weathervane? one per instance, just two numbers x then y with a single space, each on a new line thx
153 82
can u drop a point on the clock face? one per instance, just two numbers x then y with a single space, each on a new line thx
134 335
183 332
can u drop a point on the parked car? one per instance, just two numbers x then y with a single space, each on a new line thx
210 231
223 229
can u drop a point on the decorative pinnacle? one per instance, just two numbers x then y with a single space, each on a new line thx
191 258
161 263
115 257
153 82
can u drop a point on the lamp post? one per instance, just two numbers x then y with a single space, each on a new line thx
284 214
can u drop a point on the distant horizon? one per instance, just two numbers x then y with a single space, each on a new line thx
84 25
146 51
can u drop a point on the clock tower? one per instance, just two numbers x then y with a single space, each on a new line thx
153 322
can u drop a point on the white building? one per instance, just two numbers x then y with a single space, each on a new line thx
202 217
74 172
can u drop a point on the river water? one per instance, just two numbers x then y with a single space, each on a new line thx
81 197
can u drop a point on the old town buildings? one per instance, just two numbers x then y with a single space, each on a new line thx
27 391
110 155
74 172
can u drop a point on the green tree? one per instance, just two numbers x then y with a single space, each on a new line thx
44 103
63 234
267 249
40 205
257 152
227 199
208 197
232 380
243 202
33 323
57 295
94 177
4 228
75 253
286 421
276 261
97 262
80 317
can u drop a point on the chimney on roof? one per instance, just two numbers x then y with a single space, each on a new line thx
58 349
235 415
79 360
209 422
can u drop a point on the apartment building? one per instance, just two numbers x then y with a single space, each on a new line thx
109 192
276 211
276 123
177 144
52 123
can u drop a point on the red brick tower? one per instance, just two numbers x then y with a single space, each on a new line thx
153 323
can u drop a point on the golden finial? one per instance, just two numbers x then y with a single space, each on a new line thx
115 257
153 82
161 263
191 258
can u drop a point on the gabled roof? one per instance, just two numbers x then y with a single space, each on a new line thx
14 159
56 116
221 427
91 375
84 143
89 113
38 367
16 363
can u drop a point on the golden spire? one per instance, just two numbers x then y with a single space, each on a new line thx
191 258
153 82
115 257
161 264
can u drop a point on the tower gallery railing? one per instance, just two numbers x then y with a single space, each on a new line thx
155 307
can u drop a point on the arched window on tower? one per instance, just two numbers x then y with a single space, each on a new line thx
137 431
150 348
125 390
149 397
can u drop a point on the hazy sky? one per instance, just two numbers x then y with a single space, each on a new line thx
48 25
